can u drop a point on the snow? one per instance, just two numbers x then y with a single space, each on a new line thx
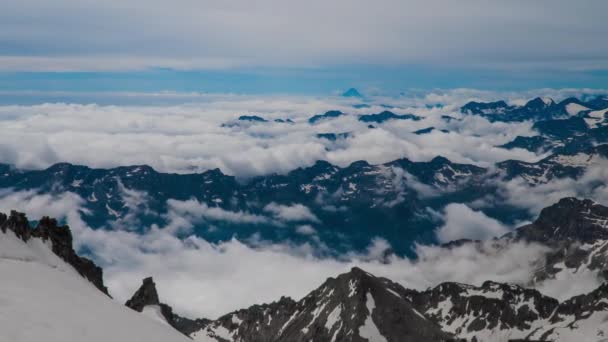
112 211
213 334
44 299
575 108
295 314
76 183
547 100
154 312
333 317
487 294
369 330
592 329
352 288
594 118
577 160
394 293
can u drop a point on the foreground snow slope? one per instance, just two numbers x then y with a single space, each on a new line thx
44 299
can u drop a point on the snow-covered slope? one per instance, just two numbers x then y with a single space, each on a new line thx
42 298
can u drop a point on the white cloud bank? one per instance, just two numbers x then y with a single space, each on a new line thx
461 222
189 137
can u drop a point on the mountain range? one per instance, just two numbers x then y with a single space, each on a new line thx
354 306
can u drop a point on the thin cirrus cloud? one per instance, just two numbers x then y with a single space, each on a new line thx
69 35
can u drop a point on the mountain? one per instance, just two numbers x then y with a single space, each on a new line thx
535 143
345 201
558 165
352 92
386 116
577 233
59 238
340 309
327 115
253 118
355 306
48 293
333 136
537 109
145 300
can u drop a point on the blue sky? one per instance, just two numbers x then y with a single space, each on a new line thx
313 47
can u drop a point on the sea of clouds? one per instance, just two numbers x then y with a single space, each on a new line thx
203 279
188 135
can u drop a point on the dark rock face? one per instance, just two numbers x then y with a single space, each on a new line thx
565 164
536 109
333 136
485 108
568 220
17 223
61 238
145 295
327 115
561 128
61 242
254 118
386 116
491 307
533 144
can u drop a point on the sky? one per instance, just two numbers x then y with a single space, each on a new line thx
311 47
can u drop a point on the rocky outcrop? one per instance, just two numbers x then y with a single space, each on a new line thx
147 295
60 238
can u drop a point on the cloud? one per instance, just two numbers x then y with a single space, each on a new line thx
294 212
203 279
214 34
190 137
461 222
306 230
193 211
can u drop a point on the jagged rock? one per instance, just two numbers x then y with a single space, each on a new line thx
61 243
17 223
568 220
147 295
469 311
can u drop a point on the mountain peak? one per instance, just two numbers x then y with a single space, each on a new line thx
144 296
568 219
352 92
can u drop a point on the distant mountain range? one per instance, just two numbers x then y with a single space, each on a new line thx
357 306
345 207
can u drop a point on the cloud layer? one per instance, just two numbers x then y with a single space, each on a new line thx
190 137
202 279
70 35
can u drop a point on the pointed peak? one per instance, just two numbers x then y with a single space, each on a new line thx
144 296
17 223
352 92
